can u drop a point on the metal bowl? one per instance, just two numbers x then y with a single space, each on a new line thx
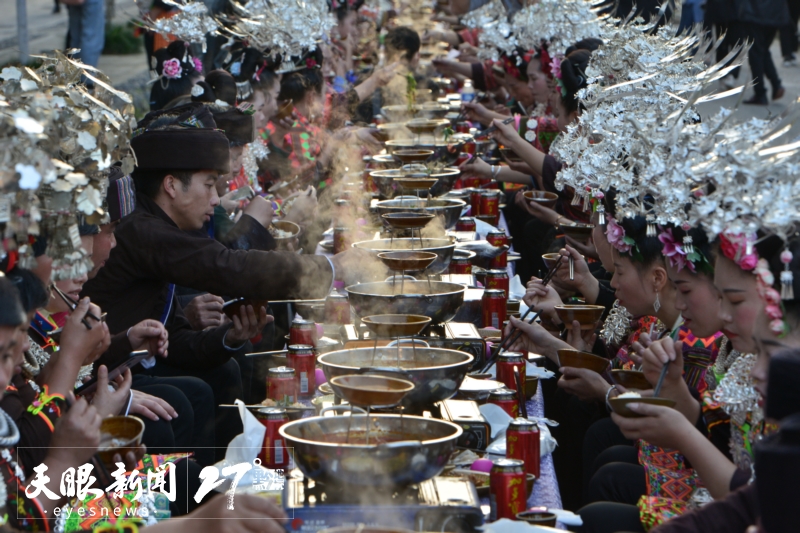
384 181
423 125
448 209
407 261
423 143
370 391
446 178
438 300
436 373
443 248
394 326
412 450
408 220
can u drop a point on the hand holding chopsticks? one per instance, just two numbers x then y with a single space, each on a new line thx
491 129
72 304
504 343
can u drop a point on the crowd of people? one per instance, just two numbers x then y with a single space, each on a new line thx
124 235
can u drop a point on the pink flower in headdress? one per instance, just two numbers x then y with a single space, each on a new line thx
773 311
732 245
198 65
555 67
616 236
777 326
673 251
172 69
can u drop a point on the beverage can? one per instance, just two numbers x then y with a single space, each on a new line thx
522 442
507 489
273 453
281 385
493 306
506 362
302 358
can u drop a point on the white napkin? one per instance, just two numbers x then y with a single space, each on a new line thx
482 229
504 525
244 448
498 419
568 518
498 422
473 385
530 370
516 290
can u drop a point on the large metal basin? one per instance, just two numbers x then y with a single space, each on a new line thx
443 248
436 373
387 188
414 449
449 210
439 300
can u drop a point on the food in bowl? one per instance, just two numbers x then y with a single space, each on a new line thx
630 394
279 233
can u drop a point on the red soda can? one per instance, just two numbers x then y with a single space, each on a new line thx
303 332
507 489
475 202
497 279
489 203
281 385
507 400
301 357
498 238
340 241
506 362
463 157
465 224
522 442
460 265
468 182
462 127
273 453
337 309
493 306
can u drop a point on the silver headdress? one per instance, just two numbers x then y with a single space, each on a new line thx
58 141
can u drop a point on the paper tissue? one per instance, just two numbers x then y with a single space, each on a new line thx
498 421
244 448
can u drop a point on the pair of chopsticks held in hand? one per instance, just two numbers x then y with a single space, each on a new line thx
514 335
73 304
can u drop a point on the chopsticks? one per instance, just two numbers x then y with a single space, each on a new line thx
73 304
660 380
259 406
523 407
478 97
504 342
492 128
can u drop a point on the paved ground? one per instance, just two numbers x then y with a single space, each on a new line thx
129 72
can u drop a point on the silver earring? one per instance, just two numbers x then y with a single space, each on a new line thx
657 304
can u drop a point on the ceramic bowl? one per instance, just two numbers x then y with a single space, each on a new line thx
119 435
576 359
587 315
620 405
631 379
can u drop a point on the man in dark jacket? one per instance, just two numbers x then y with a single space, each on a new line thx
180 154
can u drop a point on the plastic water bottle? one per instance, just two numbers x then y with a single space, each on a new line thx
467 92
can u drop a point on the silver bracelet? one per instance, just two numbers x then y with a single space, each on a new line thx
608 393
495 171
